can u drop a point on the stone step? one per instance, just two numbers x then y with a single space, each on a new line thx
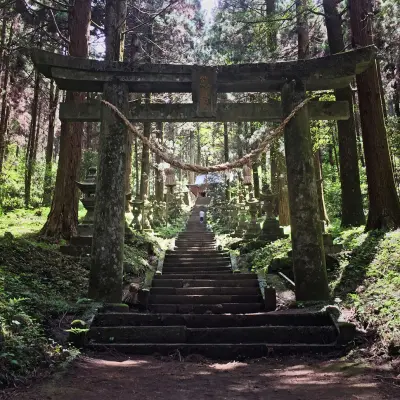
195 247
246 334
169 281
262 334
199 237
208 261
221 351
197 275
196 243
183 269
195 253
196 233
255 291
225 308
199 258
204 299
197 266
277 318
197 271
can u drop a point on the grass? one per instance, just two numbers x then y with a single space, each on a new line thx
366 280
43 291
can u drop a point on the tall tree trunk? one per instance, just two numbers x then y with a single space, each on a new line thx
226 159
62 220
303 41
352 208
357 125
320 187
384 206
198 144
53 102
283 209
137 171
192 153
30 151
4 89
303 52
145 165
272 35
159 184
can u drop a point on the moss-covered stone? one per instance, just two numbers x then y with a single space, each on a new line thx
308 253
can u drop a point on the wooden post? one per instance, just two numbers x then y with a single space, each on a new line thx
308 252
105 281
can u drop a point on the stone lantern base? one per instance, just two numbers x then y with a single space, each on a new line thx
271 230
253 230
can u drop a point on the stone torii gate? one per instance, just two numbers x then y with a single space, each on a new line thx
116 79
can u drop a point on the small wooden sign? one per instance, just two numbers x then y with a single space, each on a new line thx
204 91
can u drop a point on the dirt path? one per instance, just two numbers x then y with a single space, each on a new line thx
148 378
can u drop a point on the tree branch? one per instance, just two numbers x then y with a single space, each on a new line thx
49 7
153 17
58 29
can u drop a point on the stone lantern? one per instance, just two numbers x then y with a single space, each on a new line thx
271 230
253 228
137 205
88 189
147 216
82 242
241 216
247 178
170 180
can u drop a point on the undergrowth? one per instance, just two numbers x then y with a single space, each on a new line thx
43 291
366 279
38 285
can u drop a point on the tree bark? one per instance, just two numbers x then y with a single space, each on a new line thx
145 163
323 215
352 207
302 30
384 206
226 159
283 209
105 280
272 35
4 89
30 150
62 220
53 102
159 184
308 251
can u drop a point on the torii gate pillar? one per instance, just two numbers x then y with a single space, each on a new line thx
307 245
109 215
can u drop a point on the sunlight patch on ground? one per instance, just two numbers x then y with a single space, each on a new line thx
228 366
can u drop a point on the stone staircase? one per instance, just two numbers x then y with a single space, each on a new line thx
199 305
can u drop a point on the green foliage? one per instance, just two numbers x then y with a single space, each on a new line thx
37 284
12 184
21 221
368 280
172 229
89 159
260 259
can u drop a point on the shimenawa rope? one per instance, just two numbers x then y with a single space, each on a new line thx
213 168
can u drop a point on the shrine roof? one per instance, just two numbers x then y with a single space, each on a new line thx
87 75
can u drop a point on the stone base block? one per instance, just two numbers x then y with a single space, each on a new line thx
269 298
143 299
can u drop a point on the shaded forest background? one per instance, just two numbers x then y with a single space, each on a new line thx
42 291
175 32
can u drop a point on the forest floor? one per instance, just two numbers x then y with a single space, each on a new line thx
150 378
42 291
